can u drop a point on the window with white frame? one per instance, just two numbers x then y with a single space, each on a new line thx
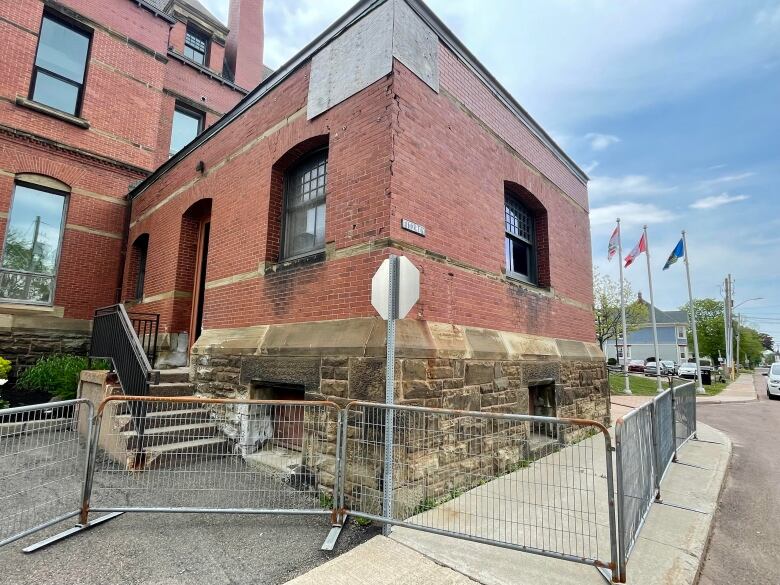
32 245
304 206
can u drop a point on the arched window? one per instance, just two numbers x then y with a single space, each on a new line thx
33 237
304 205
138 255
525 240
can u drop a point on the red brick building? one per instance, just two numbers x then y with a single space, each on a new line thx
256 243
94 96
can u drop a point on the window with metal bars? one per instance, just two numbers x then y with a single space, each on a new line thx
520 240
60 65
304 206
196 45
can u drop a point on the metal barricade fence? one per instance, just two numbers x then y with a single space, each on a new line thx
215 455
535 484
636 476
43 460
663 426
684 398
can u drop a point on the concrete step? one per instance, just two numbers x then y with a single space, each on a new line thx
172 434
171 389
168 454
162 418
175 375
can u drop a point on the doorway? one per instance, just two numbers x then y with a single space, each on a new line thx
199 292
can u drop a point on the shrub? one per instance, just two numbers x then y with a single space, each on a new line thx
5 368
611 362
58 375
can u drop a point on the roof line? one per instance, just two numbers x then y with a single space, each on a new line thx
153 9
357 12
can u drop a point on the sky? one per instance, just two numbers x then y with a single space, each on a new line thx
672 108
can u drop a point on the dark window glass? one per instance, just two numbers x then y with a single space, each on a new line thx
519 241
304 204
187 124
143 250
32 245
58 77
196 46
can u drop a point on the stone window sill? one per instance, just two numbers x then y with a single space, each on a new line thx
24 309
304 259
518 280
42 109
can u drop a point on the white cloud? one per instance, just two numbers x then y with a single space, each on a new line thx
626 186
706 184
630 214
601 141
717 200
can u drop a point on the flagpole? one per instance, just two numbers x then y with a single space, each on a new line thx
623 311
652 315
699 388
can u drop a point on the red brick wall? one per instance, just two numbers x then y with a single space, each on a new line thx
129 113
449 176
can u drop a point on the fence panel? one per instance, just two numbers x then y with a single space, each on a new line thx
685 412
536 484
212 455
43 459
663 420
636 476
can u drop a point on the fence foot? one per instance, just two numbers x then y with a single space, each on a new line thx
608 575
333 535
70 532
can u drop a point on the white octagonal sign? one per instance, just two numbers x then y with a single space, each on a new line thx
408 287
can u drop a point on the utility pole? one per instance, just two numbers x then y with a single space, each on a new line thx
739 333
728 323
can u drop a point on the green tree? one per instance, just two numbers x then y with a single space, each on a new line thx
767 341
709 325
750 345
606 308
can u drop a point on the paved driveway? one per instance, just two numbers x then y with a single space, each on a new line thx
746 537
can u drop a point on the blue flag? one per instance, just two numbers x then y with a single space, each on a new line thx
677 253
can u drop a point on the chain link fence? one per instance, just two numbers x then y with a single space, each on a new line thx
211 455
536 484
647 440
43 460
540 485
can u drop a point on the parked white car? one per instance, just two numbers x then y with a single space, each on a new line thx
687 370
773 381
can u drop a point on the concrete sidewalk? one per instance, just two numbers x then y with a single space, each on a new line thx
668 551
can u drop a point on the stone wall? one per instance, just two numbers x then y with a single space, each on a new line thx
438 366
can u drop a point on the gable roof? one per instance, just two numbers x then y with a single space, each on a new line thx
166 7
353 15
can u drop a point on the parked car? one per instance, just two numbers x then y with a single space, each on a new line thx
650 369
687 370
636 366
671 367
773 381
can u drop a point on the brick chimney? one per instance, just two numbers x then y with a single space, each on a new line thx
244 46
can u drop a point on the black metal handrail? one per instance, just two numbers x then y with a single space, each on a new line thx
114 337
146 326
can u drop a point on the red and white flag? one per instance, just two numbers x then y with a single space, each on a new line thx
613 243
638 249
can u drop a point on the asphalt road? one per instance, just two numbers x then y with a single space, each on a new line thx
746 536
146 548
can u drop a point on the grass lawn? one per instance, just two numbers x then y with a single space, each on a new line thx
644 386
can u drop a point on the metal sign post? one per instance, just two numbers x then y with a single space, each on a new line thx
395 288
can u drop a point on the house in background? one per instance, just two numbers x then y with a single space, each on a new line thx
672 327
93 97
